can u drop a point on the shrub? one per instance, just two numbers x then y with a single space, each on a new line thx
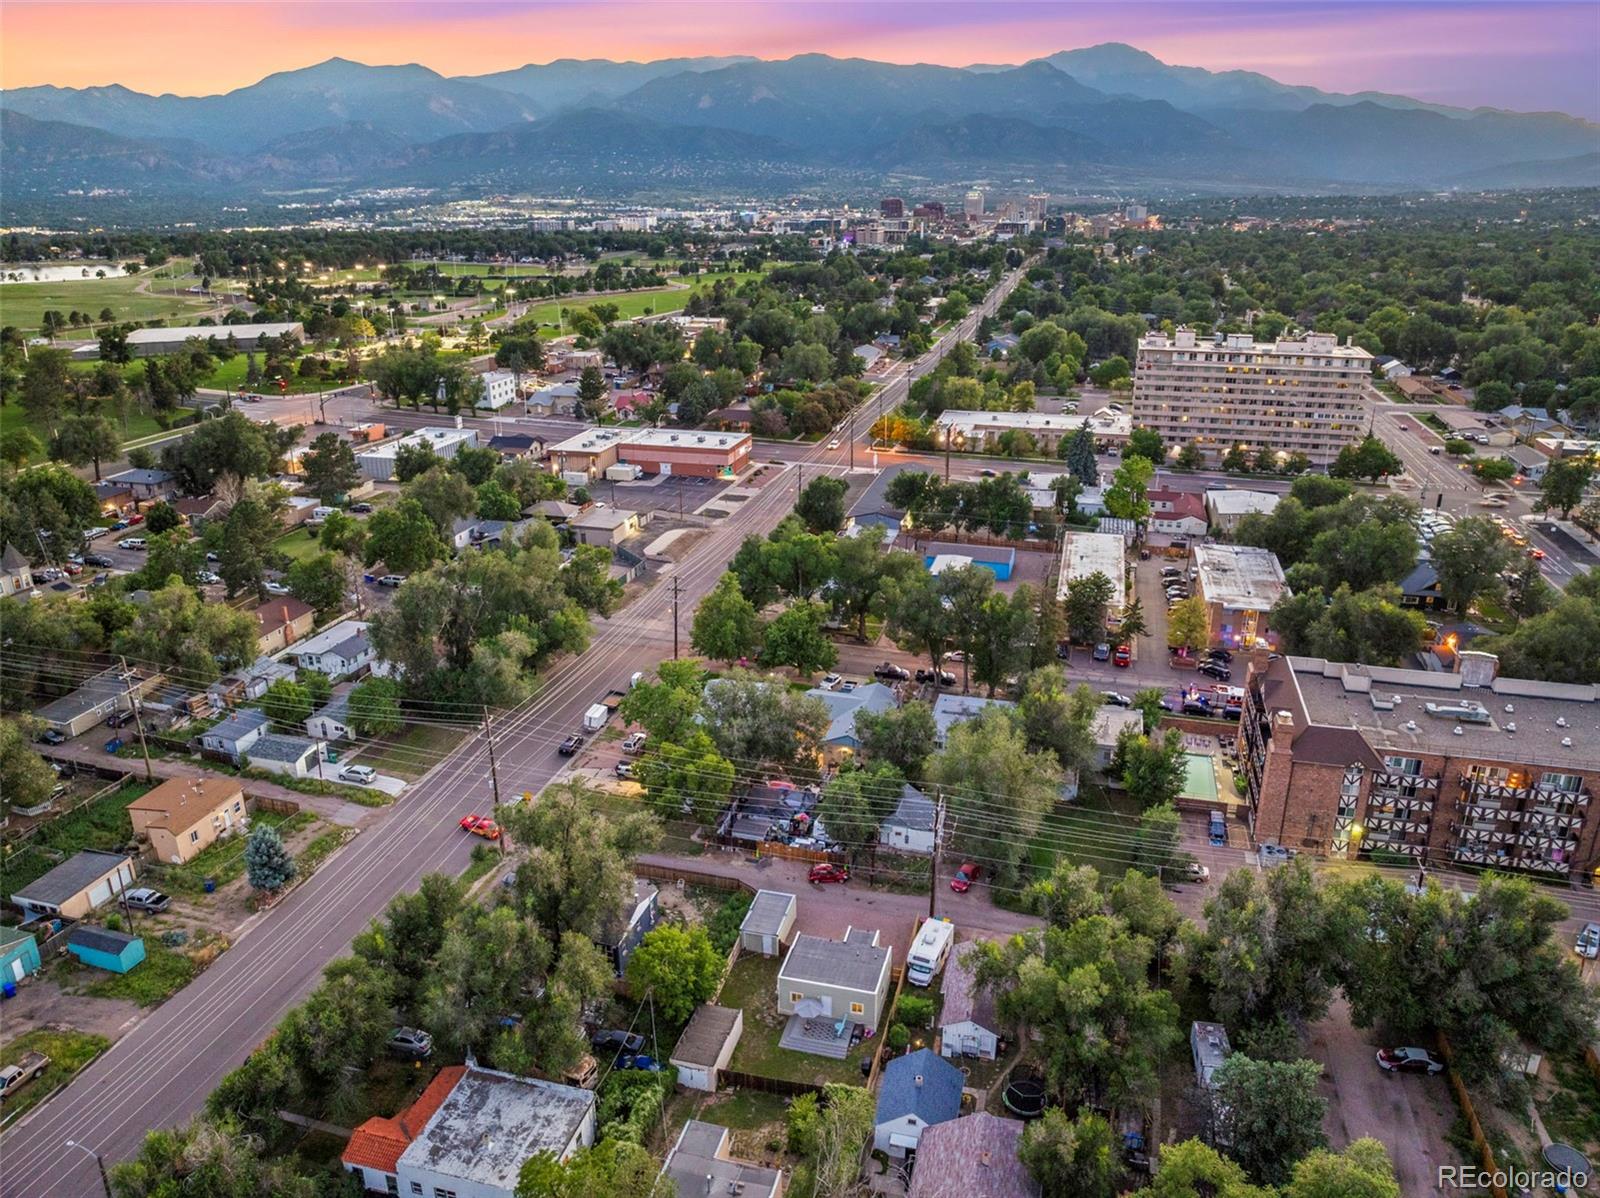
916 1011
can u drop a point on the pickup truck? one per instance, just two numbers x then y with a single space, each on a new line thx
600 713
14 1077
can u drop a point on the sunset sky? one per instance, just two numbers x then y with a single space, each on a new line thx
1527 56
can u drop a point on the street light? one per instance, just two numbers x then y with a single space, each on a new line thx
99 1163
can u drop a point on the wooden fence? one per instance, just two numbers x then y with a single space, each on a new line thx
767 1085
689 877
274 804
1464 1101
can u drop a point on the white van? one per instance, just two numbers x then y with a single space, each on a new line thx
929 951
322 513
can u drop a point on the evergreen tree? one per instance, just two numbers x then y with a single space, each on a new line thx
267 863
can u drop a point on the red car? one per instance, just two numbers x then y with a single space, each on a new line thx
965 877
136 518
480 825
1122 657
1536 554
826 871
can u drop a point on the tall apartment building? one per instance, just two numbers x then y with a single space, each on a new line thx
973 204
929 210
1037 205
1463 769
892 206
1301 395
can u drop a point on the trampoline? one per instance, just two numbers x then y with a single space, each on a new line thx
1024 1097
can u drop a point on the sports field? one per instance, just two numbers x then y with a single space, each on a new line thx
24 304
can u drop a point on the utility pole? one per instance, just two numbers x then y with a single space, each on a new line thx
799 477
494 774
138 720
938 839
674 617
99 1161
947 455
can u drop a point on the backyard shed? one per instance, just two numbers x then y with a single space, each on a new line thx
116 952
19 955
706 1046
768 923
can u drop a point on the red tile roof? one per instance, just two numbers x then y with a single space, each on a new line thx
378 1143
1178 504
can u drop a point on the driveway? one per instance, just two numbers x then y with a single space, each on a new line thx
1410 1114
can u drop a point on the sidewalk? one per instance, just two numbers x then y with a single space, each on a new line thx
329 807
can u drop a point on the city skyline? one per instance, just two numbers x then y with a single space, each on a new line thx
1528 57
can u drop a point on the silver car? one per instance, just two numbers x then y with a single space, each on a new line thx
1588 943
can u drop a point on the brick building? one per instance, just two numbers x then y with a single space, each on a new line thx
1447 769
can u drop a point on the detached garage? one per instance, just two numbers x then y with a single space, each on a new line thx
706 1046
768 923
77 886
19 955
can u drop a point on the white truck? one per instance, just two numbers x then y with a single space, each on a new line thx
624 472
14 1077
575 478
929 950
598 716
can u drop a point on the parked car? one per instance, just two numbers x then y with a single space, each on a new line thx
1275 854
480 825
131 543
831 682
1197 706
834 444
630 1060
145 899
889 672
51 737
1123 656
634 742
14 1077
965 877
98 530
1214 669
1221 655
826 871
613 1040
118 718
361 775
571 745
1588 942
410 1043
1409 1060
98 560
1102 651
623 769
360 509
274 588
946 678
1195 872
391 580
207 578
1118 700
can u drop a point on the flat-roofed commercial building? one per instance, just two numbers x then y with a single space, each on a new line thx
1239 585
378 462
1466 768
983 430
146 343
1086 553
654 450
1300 395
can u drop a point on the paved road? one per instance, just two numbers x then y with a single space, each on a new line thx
160 1072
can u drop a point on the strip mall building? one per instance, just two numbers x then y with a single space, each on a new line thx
654 450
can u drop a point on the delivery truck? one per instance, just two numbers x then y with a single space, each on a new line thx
599 715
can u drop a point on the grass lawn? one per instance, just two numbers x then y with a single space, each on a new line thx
752 986
320 848
102 824
161 974
299 543
230 375
68 1051
138 424
484 859
223 860
1078 833
24 304
747 1110
413 752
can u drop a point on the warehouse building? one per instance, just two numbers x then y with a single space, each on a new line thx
147 343
980 431
378 462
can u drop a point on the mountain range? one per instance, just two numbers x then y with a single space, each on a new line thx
1108 114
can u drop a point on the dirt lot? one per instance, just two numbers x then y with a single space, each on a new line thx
1410 1114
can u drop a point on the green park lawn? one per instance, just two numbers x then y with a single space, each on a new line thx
1096 830
298 544
24 304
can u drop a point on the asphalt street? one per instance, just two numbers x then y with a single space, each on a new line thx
160 1073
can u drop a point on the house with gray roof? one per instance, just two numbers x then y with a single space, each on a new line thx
103 694
951 709
835 979
706 1046
972 1157
293 755
918 1090
83 882
236 734
702 1163
338 651
16 574
768 923
331 722
910 828
146 484
840 739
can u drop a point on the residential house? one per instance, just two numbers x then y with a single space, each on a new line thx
482 1126
292 755
115 499
736 416
235 735
283 620
183 816
702 1163
1532 422
837 979
1110 721
373 1151
1421 588
16 574
556 511
910 828
497 534
339 651
840 741
515 446
1178 513
918 1090
1227 507
706 1046
83 882
115 952
769 922
107 692
1239 585
968 1026
951 709
331 722
627 927
870 355
146 485
1530 463
197 511
767 811
19 955
973 1157
1391 367
608 526
558 399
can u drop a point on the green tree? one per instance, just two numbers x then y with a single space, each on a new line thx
1370 459
1269 1114
497 503
1127 496
1000 644
1151 769
319 581
1494 470
1190 457
997 790
1072 1158
1087 602
330 467
795 637
667 707
1363 1170
1468 560
413 459
231 445
1188 625
206 1158
342 533
855 802
1156 842
26 780
1146 443
87 440
591 393
1058 720
375 707
160 517
688 777
199 641
760 721
1078 453
1147 702
1564 484
821 505
1109 371
725 626
616 1168
403 537
267 863
678 968
903 737
1194 1169
243 543
18 446
287 704
443 494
